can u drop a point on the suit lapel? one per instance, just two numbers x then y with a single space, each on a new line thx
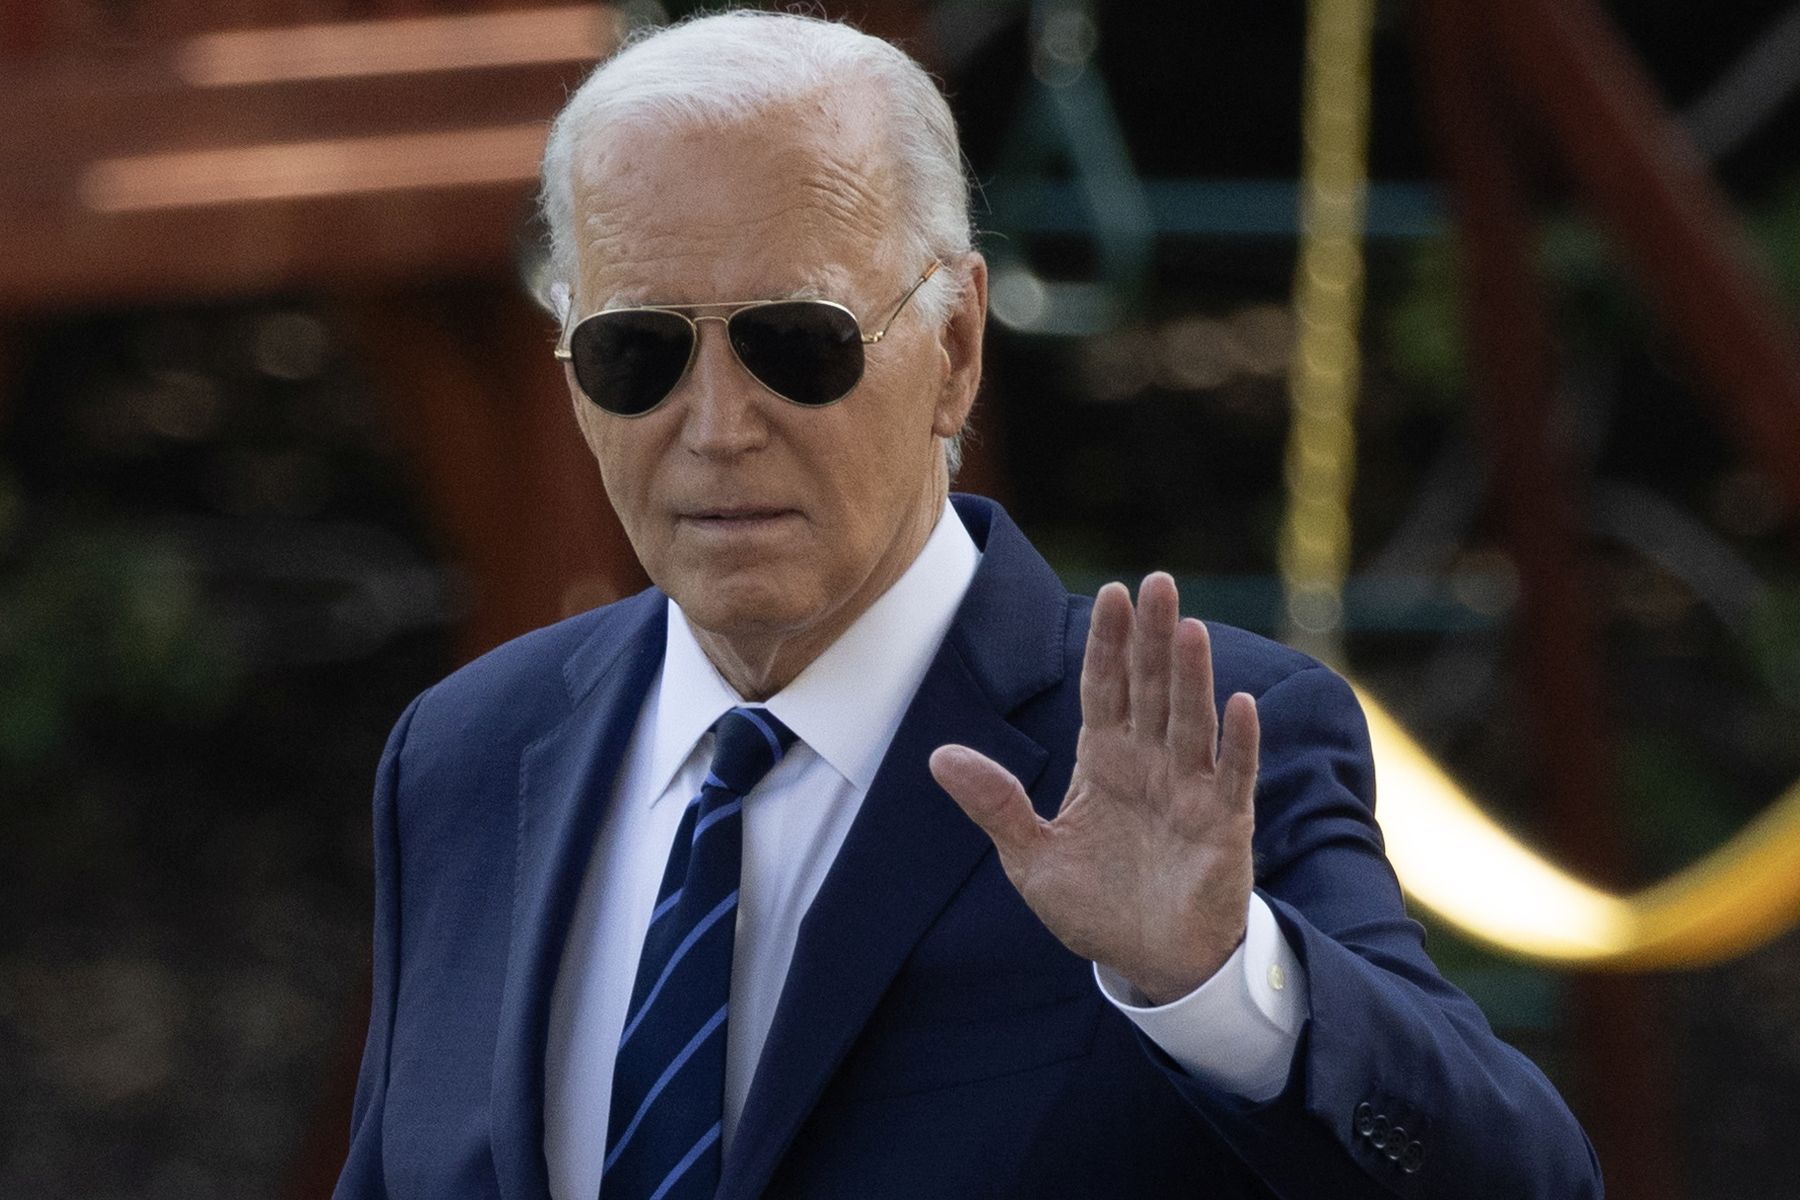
565 781
910 848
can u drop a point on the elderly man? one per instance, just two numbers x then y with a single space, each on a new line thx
856 858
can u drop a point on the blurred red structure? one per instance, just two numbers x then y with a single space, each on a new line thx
164 153
1561 66
160 157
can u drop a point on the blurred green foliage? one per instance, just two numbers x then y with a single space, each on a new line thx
1776 229
1773 642
1677 808
1595 301
95 621
1422 326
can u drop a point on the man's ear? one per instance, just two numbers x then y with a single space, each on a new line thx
960 339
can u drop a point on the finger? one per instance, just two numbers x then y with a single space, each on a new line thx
993 798
1104 692
1193 721
1238 750
1152 639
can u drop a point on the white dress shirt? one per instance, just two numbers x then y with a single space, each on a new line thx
1237 1030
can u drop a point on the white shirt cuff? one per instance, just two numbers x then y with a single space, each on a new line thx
1237 1031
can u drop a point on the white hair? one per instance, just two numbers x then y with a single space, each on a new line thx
722 68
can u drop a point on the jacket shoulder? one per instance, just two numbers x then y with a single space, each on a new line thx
521 687
1249 662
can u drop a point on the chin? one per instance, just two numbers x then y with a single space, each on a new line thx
744 605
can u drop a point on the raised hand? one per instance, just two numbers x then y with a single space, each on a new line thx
1146 867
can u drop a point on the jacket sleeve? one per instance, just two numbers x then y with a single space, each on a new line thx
361 1178
1399 1086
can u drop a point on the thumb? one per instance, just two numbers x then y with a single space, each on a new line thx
991 796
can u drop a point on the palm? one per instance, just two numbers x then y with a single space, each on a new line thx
1146 866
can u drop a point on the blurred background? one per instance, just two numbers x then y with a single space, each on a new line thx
282 443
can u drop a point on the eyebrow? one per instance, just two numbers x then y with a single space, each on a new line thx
640 298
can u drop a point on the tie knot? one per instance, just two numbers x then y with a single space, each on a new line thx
750 742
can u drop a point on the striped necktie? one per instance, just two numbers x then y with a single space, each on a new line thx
668 1088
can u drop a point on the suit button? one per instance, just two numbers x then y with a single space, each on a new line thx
1365 1119
1379 1134
1413 1157
1396 1143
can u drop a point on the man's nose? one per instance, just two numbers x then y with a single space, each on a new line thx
724 414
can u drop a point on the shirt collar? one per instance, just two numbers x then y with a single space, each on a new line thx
880 660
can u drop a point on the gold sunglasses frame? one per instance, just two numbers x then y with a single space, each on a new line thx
707 313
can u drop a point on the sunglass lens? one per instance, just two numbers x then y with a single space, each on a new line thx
627 361
807 351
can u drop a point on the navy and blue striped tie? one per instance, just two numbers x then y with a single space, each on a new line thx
668 1089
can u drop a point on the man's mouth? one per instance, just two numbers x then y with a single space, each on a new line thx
737 517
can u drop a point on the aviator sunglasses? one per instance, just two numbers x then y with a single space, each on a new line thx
628 360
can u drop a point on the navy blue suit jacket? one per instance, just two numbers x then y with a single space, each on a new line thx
933 1039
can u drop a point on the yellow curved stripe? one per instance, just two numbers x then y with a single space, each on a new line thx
1451 857
1455 861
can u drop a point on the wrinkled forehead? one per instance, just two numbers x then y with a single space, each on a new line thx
792 201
